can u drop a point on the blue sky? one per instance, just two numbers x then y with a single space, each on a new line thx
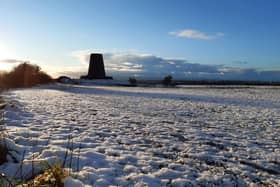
185 38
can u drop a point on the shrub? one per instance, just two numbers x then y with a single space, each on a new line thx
24 75
132 81
167 80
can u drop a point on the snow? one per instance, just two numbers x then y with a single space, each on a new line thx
70 182
132 136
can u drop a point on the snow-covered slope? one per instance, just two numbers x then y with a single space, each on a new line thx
149 136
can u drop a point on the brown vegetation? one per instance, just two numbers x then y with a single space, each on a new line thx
54 175
24 75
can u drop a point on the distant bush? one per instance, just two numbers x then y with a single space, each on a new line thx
132 81
24 75
167 80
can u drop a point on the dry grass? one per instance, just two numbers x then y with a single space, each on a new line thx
4 152
53 176
3 147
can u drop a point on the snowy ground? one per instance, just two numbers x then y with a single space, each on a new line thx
149 136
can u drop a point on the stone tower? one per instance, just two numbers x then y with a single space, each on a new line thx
96 68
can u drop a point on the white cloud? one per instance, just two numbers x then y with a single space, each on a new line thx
230 70
82 55
122 64
12 61
146 65
195 34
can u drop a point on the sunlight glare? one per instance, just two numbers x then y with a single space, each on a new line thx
5 53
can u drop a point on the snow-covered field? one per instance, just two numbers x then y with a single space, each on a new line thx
125 136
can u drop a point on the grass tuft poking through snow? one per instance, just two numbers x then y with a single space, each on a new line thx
3 150
3 147
53 175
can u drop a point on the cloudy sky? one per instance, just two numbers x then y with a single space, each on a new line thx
189 39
